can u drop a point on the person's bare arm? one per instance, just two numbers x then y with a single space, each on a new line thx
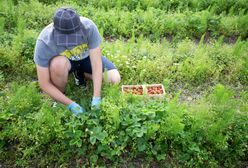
96 63
47 86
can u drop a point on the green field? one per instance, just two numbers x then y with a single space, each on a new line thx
197 49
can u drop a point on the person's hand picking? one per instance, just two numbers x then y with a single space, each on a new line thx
76 108
96 101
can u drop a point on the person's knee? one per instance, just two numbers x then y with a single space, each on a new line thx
59 65
114 76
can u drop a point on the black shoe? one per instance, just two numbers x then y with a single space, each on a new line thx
79 78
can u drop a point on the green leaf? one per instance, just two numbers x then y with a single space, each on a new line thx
161 157
92 140
93 158
140 133
141 144
97 133
101 136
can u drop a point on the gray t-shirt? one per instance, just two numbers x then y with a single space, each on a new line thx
46 47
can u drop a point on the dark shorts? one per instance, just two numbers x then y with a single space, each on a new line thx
85 65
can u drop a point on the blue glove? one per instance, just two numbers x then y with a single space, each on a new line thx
96 101
75 108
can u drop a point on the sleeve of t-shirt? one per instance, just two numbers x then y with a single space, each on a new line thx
42 54
94 38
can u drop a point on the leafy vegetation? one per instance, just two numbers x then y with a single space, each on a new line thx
152 22
184 45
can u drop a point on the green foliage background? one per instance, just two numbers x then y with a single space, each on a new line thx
196 49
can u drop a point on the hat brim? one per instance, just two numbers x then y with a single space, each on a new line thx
71 39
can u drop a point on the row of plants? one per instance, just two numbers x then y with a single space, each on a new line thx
152 23
231 7
211 132
185 63
156 23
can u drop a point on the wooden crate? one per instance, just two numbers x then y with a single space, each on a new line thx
133 89
155 90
